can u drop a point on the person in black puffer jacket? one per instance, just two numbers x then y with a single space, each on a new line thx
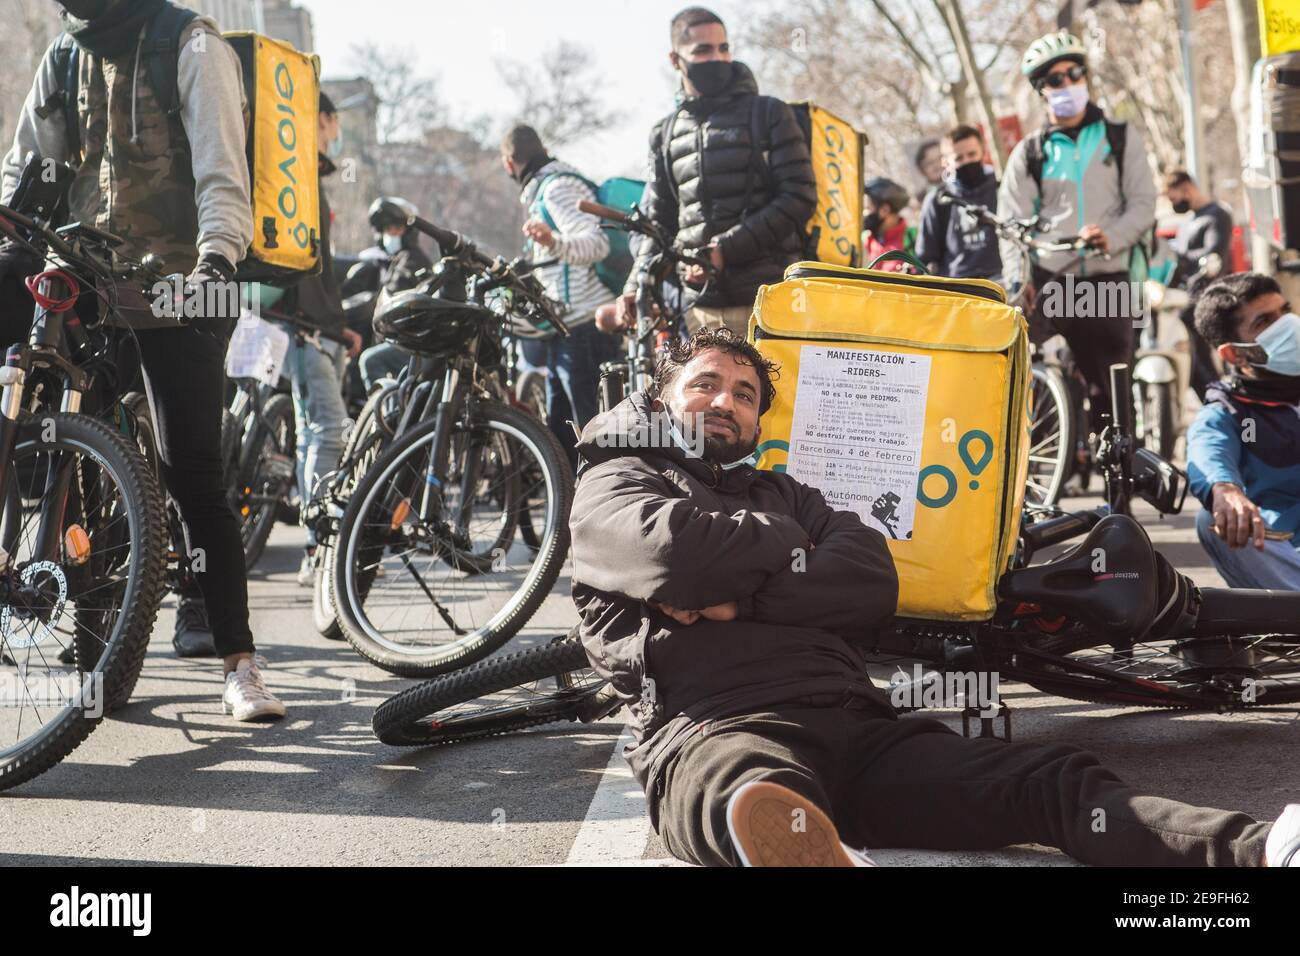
729 176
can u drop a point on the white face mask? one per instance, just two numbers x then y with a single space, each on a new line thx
1068 101
1281 342
392 244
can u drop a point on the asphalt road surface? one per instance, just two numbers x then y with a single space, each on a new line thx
170 780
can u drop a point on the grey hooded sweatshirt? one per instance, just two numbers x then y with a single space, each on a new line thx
654 523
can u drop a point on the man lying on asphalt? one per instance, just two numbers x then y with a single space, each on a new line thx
723 603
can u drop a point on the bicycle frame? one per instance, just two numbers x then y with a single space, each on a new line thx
46 348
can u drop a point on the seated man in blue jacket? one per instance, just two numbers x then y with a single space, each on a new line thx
1243 450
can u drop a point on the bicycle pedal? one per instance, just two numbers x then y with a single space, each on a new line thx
986 723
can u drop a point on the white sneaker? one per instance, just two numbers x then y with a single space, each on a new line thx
1283 845
246 696
307 570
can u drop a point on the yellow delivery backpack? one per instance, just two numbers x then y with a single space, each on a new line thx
283 90
833 233
903 398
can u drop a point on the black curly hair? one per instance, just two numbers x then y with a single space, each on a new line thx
723 339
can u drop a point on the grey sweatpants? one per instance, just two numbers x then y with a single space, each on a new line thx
915 783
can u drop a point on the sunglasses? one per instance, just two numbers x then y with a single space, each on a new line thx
1057 80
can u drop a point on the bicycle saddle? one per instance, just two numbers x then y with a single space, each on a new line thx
1109 582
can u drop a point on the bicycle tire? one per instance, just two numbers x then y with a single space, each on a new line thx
122 657
352 589
323 612
1146 693
405 719
275 425
1043 487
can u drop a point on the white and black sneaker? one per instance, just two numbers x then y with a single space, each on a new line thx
246 696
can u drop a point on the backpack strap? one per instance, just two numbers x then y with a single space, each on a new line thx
665 147
1034 158
63 55
162 52
1117 138
758 139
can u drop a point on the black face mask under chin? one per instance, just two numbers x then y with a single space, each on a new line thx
971 175
710 77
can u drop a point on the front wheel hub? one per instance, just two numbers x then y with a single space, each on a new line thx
42 594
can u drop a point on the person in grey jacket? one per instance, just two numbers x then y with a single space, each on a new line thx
730 608
175 184
1069 176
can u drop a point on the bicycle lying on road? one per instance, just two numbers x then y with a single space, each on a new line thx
1139 634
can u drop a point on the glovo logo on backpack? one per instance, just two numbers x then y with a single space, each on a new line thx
903 399
283 87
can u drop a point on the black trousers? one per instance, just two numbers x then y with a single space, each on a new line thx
184 372
1097 323
915 783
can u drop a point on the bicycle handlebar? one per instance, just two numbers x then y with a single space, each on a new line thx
605 212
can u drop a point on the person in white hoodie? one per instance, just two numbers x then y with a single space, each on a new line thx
163 166
558 232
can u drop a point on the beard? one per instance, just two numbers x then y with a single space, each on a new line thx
723 448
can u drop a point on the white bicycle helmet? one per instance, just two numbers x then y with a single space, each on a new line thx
1046 50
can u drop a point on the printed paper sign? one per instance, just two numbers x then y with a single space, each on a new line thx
257 349
857 430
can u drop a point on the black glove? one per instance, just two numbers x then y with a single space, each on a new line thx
211 267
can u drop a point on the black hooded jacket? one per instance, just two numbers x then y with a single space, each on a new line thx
654 523
708 179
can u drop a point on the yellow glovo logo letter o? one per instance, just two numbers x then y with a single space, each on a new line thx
286 132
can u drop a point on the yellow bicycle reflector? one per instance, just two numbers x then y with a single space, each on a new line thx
76 545
401 513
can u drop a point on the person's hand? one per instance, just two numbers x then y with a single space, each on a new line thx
608 318
1094 237
353 343
211 267
1236 518
694 275
540 233
726 611
625 309
677 614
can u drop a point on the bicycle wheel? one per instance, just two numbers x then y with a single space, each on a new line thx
432 611
267 465
1210 673
1153 407
1051 436
542 685
100 597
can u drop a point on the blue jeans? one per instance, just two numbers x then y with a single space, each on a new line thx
380 361
1276 567
318 411
573 380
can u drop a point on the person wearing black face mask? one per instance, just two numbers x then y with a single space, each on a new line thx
1209 228
951 241
729 177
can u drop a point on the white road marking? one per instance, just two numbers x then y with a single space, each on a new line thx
617 827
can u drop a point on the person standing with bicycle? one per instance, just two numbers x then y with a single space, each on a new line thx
572 242
953 242
175 184
730 178
1084 175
